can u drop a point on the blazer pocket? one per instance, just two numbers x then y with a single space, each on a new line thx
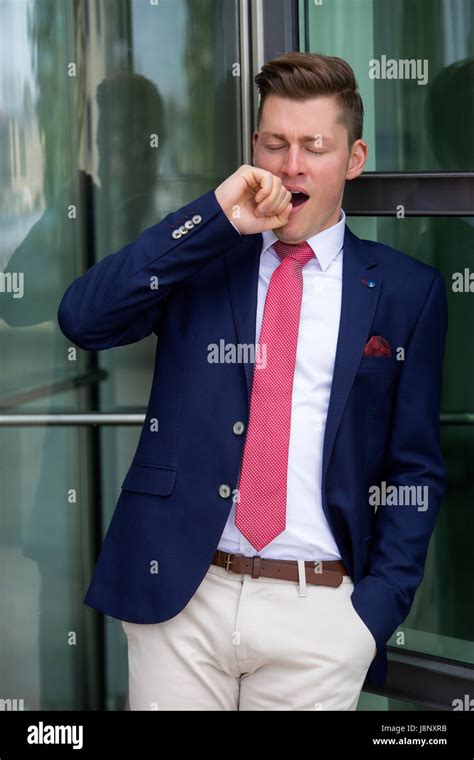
380 362
147 478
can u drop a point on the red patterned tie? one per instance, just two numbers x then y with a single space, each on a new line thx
261 506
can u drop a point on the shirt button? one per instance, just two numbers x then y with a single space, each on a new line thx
224 490
238 427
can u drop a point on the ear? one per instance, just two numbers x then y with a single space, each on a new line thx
357 159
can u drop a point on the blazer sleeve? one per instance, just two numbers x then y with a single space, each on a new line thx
120 299
413 458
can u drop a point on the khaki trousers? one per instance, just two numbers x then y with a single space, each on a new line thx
244 643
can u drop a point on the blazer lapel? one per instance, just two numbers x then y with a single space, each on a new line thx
242 265
357 313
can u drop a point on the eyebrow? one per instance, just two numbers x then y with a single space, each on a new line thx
303 139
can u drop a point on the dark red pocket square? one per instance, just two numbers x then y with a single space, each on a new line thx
377 346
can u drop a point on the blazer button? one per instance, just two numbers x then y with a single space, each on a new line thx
183 229
238 427
224 490
189 224
196 219
176 234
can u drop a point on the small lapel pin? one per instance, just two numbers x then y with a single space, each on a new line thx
369 283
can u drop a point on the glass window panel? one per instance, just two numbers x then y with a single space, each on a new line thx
112 114
415 69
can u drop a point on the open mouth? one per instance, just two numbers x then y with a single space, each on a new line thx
298 199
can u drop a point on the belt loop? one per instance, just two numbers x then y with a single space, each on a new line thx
256 566
302 578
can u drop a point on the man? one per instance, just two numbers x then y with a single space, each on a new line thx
262 571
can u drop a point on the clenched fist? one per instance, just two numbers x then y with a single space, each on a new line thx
254 199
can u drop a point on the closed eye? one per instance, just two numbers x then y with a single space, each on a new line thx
281 147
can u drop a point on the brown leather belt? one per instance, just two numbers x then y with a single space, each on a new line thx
318 573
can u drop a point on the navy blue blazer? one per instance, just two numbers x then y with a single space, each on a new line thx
382 422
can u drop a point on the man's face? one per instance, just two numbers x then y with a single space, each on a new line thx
303 143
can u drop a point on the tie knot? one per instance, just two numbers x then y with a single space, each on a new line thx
300 252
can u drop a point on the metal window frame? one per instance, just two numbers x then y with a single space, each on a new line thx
75 419
272 27
420 193
426 680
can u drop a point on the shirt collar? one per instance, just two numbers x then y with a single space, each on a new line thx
326 244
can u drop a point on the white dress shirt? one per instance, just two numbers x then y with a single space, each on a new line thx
307 535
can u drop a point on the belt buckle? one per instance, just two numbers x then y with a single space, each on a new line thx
228 562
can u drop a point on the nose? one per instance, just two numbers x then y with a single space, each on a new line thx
292 165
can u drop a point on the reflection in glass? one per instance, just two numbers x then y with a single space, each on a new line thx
112 114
